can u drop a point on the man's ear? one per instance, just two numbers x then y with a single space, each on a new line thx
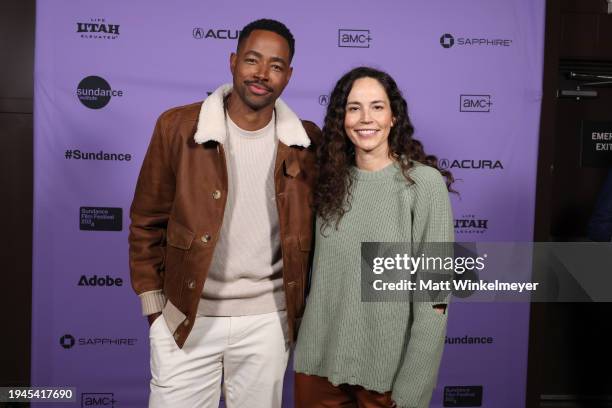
233 59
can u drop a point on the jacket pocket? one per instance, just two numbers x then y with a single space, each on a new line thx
178 239
302 267
179 236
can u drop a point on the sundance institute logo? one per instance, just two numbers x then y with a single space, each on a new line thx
95 92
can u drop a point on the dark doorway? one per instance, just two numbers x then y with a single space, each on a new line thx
569 356
16 127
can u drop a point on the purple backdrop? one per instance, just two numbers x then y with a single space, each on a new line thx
470 70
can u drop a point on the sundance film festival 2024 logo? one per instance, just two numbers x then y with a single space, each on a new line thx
98 29
449 41
463 396
95 92
100 219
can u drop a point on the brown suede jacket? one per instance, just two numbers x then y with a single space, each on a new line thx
179 202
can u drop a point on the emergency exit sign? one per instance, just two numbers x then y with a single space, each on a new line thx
596 144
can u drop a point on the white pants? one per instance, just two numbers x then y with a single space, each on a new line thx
249 352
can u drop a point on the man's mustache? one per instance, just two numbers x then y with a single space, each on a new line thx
259 84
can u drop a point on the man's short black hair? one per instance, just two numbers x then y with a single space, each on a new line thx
268 25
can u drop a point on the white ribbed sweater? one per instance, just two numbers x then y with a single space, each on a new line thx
245 276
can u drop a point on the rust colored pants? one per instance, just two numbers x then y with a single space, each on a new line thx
312 391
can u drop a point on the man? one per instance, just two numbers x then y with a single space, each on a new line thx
221 233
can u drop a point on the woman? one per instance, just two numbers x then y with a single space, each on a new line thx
375 185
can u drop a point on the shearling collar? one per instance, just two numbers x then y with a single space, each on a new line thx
211 123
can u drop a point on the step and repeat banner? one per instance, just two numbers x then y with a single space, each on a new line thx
470 70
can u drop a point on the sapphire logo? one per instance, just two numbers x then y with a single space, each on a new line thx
98 28
104 399
67 341
475 103
350 38
200 33
95 92
447 40
323 100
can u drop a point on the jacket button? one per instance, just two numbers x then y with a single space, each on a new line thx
191 284
205 238
216 194
186 322
177 336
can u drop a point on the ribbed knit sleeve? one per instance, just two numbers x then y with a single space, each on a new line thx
432 222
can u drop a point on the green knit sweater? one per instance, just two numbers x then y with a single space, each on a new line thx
382 346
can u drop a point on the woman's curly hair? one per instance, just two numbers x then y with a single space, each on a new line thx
336 153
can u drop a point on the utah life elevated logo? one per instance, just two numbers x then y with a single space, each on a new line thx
95 92
353 38
469 224
98 28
